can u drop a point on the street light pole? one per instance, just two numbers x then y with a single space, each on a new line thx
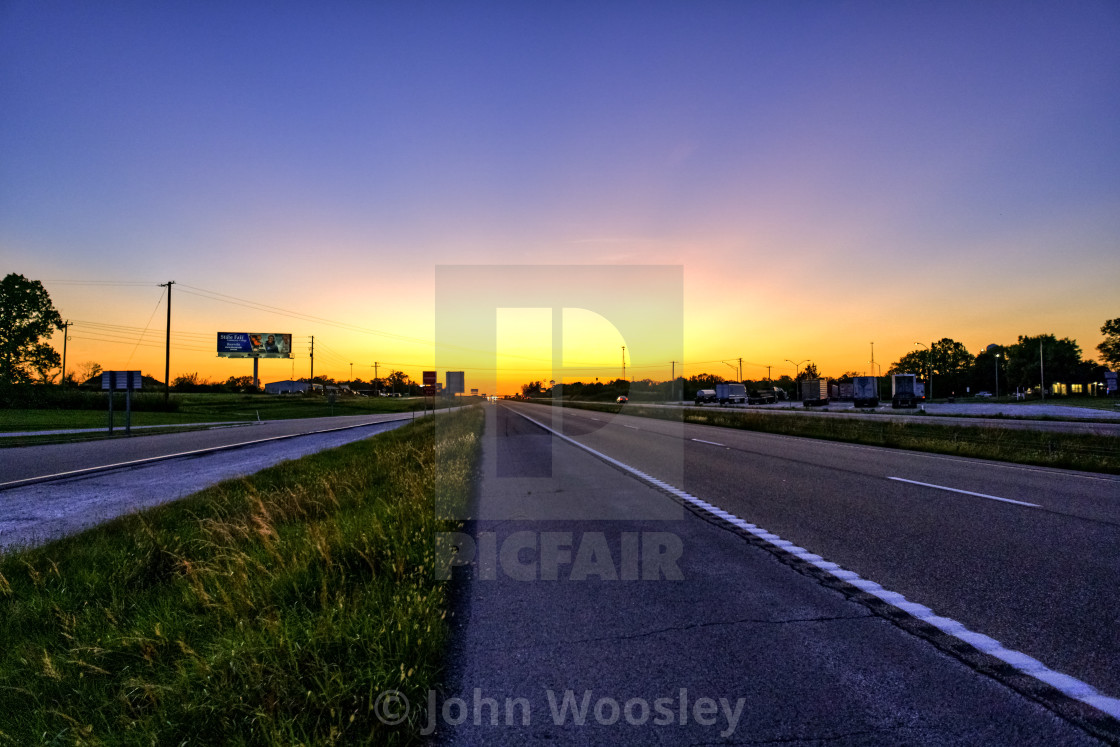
997 375
796 366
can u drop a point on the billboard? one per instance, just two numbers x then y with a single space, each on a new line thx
455 382
254 345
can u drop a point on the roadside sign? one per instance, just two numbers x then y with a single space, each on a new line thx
429 391
121 380
429 378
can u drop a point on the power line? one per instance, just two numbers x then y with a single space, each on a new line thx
146 326
100 282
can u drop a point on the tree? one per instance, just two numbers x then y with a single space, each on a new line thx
399 380
952 364
1061 360
915 362
88 370
26 316
1110 348
986 367
187 382
809 372
236 383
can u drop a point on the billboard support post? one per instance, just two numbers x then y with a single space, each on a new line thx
128 408
125 381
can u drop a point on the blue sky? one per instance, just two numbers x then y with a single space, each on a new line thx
804 162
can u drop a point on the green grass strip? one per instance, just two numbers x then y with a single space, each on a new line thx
266 610
1091 453
91 409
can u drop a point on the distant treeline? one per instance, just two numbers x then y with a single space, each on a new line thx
642 389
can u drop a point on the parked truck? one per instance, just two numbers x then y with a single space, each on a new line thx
814 392
733 393
865 391
906 390
705 395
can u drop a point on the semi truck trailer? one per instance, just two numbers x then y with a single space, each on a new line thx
814 392
865 391
906 391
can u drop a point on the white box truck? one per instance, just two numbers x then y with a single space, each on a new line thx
733 393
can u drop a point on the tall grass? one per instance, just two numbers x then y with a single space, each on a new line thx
1023 446
265 610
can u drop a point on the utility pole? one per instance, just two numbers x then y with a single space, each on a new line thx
376 380
1041 373
167 347
768 372
740 370
872 358
311 381
65 337
624 363
351 372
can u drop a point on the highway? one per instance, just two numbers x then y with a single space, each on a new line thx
55 490
1020 562
1029 417
29 463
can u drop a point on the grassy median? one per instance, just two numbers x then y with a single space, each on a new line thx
148 409
266 610
1044 448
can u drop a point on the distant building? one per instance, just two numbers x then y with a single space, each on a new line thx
286 387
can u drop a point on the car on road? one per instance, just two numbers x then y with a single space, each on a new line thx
622 400
983 394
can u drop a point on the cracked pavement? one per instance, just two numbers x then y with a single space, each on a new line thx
562 636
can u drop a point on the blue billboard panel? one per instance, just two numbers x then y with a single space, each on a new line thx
254 345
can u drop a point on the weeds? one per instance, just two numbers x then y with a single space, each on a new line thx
266 610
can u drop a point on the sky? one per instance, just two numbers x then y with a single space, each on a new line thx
824 175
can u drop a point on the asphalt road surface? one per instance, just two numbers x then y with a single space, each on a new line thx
33 462
598 593
31 514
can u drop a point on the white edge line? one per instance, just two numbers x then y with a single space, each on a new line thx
966 492
1064 683
713 443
